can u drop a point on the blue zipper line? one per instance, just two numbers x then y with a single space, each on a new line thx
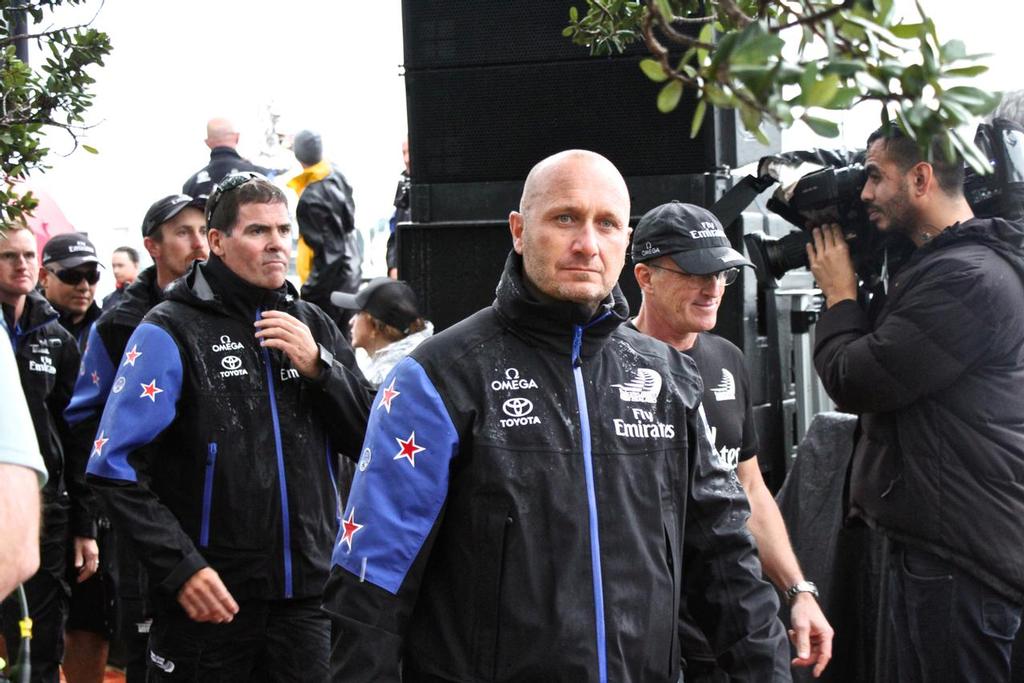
588 469
334 479
280 473
204 528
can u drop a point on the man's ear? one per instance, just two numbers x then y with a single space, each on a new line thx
44 276
216 240
152 246
642 273
922 177
516 225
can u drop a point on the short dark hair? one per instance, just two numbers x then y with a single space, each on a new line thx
255 191
133 255
905 152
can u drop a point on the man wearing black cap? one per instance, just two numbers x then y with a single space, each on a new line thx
216 453
47 358
68 278
684 262
330 256
174 233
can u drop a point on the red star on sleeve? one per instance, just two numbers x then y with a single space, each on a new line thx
97 445
150 390
131 356
95 377
349 529
388 396
409 449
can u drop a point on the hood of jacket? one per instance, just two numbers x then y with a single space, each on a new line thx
551 323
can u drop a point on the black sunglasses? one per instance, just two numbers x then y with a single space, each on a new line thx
74 277
232 182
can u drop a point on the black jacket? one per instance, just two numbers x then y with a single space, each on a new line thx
326 217
223 162
938 383
526 502
227 456
48 359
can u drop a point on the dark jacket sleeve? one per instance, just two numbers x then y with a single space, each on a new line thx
388 530
346 393
725 592
118 466
930 334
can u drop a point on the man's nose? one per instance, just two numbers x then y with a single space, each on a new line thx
586 239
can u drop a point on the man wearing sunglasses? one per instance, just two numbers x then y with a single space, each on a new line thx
68 277
47 359
684 262
217 453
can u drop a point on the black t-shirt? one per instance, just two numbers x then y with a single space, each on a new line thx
727 401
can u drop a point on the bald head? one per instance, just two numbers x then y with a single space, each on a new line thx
544 178
572 227
221 133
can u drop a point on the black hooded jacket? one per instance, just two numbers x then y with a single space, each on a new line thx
214 451
937 381
48 358
327 223
528 507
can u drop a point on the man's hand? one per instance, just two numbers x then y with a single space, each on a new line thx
811 633
279 330
204 597
830 262
87 557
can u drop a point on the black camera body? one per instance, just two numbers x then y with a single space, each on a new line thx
830 193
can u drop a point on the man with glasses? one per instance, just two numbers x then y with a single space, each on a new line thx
47 358
68 279
684 262
216 453
174 234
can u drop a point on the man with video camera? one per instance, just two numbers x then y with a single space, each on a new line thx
936 377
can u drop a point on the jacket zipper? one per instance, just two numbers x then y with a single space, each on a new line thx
285 521
588 469
204 525
338 512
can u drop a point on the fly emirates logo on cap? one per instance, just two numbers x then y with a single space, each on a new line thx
708 230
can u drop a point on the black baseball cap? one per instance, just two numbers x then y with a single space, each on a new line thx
167 208
69 249
390 301
692 236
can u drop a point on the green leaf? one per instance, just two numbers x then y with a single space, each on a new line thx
821 92
668 98
664 8
976 100
843 68
954 50
908 31
574 14
965 71
698 118
653 70
823 127
90 149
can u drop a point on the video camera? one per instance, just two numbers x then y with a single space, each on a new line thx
824 187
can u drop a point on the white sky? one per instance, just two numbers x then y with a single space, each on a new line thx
331 66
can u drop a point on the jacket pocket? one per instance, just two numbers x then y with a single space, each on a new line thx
497 525
204 520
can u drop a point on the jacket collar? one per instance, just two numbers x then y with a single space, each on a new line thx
139 297
37 313
211 284
224 152
555 324
1004 237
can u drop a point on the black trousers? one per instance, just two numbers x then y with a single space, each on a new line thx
274 640
947 626
48 594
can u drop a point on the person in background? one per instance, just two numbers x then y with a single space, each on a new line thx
124 264
387 324
222 139
403 213
174 234
683 264
330 256
47 358
68 279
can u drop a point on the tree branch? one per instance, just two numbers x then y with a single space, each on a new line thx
813 19
659 51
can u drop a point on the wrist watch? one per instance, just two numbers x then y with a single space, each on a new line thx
800 587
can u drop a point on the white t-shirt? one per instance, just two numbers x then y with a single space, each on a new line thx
18 445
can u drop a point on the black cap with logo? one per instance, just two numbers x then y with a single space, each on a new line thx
390 301
68 250
693 237
167 208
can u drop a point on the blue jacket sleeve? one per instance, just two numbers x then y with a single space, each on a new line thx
397 501
142 404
